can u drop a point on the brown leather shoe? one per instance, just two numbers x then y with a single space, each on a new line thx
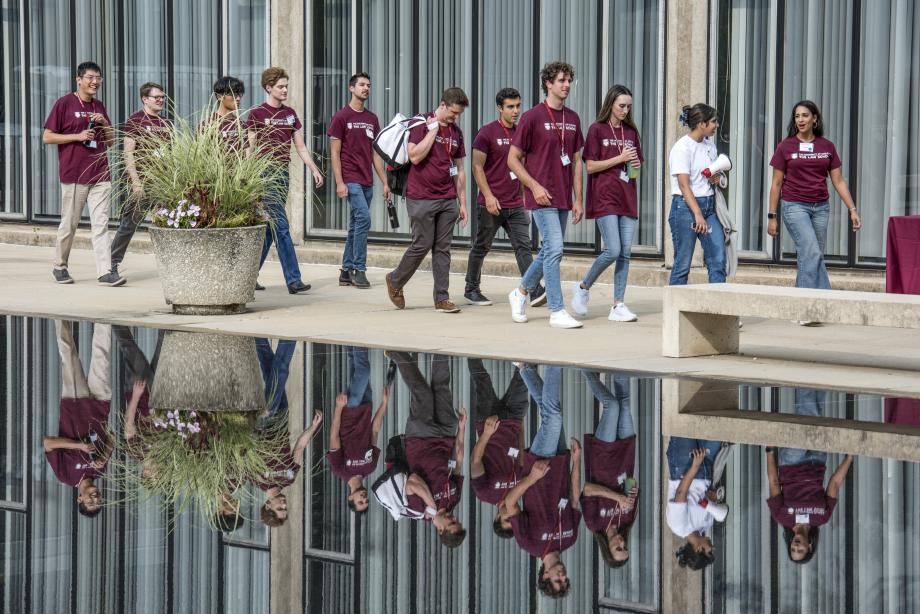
395 294
446 306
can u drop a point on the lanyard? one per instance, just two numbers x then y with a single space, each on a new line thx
505 130
549 542
92 103
621 145
447 143
560 132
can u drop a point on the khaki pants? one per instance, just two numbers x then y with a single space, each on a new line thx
75 384
73 197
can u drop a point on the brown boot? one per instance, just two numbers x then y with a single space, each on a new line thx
395 294
446 306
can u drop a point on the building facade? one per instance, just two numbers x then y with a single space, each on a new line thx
751 59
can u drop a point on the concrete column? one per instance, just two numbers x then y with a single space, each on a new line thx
288 32
687 82
287 540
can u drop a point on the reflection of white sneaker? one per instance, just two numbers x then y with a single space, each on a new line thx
518 302
808 323
580 299
621 313
562 319
718 511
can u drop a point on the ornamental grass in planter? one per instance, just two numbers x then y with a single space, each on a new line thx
204 195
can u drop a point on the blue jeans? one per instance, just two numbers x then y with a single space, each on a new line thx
807 225
808 402
275 367
549 439
359 376
679 459
616 420
551 223
274 204
617 232
684 238
359 223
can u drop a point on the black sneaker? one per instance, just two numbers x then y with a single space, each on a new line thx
297 287
259 286
537 296
61 276
111 279
344 277
475 297
359 279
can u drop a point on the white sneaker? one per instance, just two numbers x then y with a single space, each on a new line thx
562 319
808 323
621 313
518 302
718 511
580 299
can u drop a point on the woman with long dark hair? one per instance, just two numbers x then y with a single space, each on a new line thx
801 165
613 155
693 204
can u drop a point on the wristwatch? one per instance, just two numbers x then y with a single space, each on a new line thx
771 216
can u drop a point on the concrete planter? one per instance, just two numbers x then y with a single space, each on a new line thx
208 271
207 372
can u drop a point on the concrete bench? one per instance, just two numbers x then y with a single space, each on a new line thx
702 319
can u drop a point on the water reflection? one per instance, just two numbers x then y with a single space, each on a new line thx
314 420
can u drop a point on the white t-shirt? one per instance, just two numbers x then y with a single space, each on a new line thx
685 518
690 158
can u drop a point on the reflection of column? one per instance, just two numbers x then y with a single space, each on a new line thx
681 589
287 540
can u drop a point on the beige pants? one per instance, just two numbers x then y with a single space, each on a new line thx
75 384
73 197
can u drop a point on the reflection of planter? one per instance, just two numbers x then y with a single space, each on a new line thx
208 271
207 372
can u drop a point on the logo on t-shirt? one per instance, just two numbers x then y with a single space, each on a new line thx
360 462
557 535
503 141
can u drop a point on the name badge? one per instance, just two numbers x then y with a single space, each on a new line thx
513 452
451 464
512 175
624 176
369 133
453 170
565 159
621 479
92 144
802 519
807 147
562 503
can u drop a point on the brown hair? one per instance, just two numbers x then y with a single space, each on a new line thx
607 108
452 540
455 95
269 519
149 87
551 69
546 587
271 76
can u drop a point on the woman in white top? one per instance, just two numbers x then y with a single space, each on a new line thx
693 204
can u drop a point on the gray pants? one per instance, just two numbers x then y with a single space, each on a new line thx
431 408
432 223
132 215
516 223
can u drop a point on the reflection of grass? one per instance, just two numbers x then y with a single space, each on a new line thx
200 469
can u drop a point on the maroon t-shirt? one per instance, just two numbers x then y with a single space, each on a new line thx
430 178
607 193
608 464
232 131
141 123
543 134
356 456
356 130
543 526
494 140
902 411
275 129
428 457
500 461
79 418
78 163
807 166
281 471
803 499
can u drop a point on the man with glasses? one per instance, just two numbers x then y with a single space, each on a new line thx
143 131
80 126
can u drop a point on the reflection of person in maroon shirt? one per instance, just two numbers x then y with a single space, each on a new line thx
498 460
798 499
610 495
282 472
434 446
80 452
548 522
353 451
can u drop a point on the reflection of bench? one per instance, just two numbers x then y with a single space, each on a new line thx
702 320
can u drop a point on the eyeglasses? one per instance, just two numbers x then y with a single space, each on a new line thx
93 78
158 98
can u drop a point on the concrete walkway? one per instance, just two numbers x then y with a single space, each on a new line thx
883 361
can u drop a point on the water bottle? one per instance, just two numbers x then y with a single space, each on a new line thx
391 211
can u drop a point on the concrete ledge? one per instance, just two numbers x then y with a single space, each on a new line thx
643 272
702 320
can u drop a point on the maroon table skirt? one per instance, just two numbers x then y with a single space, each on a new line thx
903 255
